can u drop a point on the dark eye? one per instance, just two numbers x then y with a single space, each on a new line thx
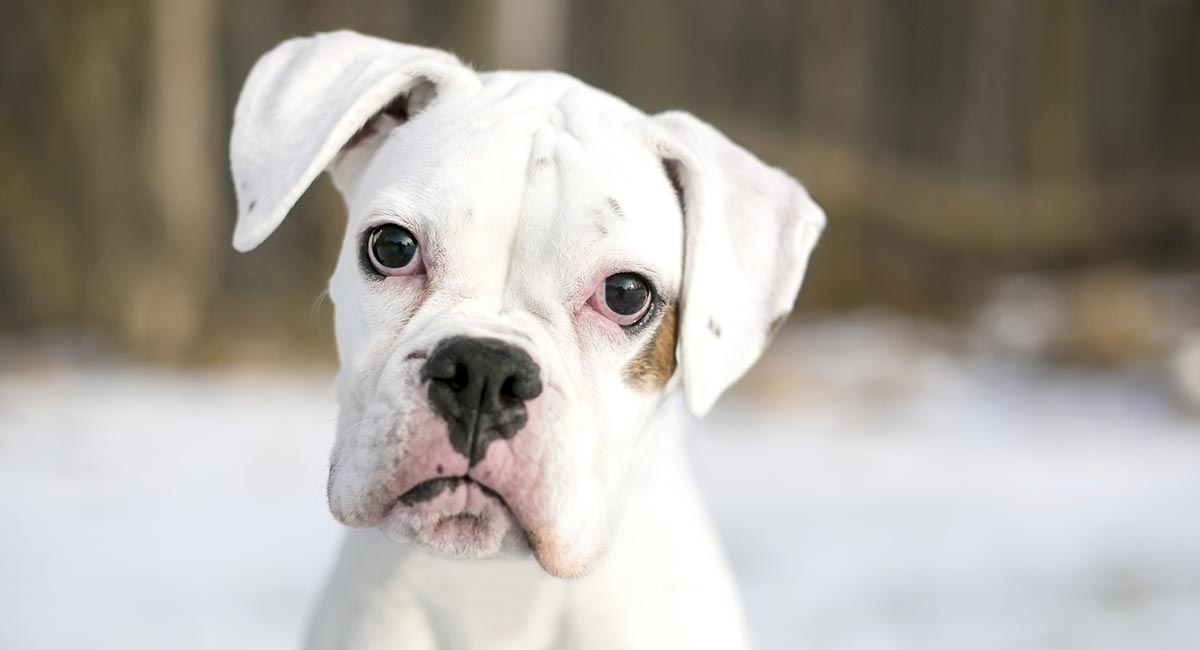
392 250
624 298
626 294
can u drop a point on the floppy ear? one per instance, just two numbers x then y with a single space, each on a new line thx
749 230
309 97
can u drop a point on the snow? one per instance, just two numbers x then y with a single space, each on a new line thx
907 492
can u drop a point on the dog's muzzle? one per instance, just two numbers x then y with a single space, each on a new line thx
480 386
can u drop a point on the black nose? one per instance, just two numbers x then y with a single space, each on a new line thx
480 386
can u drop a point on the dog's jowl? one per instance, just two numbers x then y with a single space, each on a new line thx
530 268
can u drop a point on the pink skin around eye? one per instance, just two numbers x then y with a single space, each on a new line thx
415 267
598 303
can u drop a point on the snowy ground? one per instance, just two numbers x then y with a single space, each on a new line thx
899 496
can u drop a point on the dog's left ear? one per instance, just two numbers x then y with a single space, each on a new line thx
749 230
310 98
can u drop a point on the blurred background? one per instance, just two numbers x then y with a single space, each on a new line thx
982 422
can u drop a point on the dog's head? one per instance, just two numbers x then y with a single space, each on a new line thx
526 263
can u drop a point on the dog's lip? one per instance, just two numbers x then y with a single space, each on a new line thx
429 489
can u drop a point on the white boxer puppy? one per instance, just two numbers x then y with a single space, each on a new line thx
530 267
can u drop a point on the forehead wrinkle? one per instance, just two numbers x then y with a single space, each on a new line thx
540 179
568 209
586 207
559 200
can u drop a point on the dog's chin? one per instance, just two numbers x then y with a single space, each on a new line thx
457 518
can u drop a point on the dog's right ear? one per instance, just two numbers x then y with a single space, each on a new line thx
308 99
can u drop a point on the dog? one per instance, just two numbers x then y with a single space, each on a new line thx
530 268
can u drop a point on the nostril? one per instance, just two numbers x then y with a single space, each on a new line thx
461 377
508 390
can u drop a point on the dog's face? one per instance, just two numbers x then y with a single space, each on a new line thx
512 290
506 300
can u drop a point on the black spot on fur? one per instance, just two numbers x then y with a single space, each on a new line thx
714 328
250 207
615 207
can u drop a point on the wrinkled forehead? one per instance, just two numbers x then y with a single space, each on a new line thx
536 166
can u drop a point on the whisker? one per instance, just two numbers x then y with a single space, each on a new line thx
314 311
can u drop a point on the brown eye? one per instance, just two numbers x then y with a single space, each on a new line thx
392 250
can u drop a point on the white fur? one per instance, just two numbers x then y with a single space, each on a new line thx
525 190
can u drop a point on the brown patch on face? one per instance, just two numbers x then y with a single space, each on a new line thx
653 366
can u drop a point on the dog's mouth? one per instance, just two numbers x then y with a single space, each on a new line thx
458 516
429 490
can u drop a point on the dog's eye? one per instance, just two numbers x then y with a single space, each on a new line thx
392 250
626 294
623 298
